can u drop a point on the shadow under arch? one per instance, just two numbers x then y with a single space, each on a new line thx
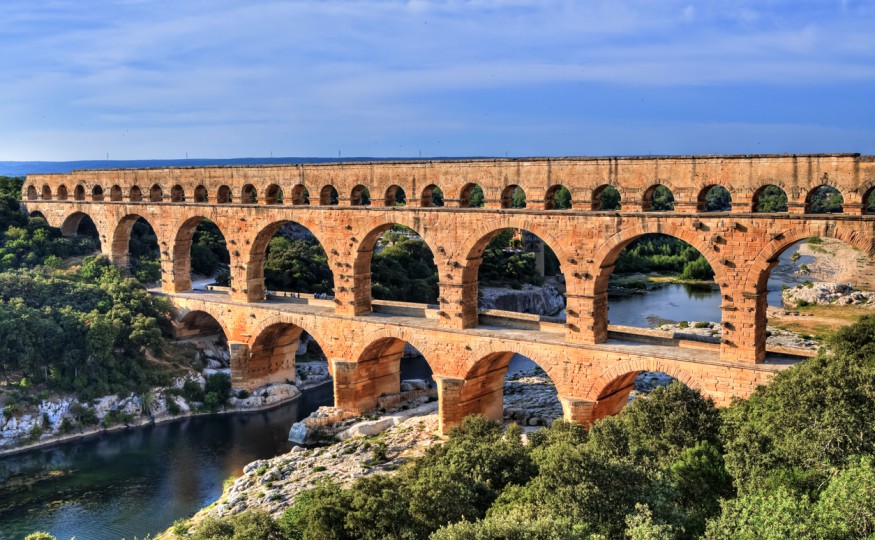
376 372
364 257
432 196
328 196
46 193
255 259
32 193
62 192
70 225
120 253
272 351
471 196
610 391
201 322
182 240
483 387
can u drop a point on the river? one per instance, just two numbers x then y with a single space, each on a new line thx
139 481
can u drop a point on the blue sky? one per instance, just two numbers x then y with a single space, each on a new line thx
141 79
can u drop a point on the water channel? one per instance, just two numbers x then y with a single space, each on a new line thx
139 481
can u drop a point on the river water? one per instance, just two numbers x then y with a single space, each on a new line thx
139 481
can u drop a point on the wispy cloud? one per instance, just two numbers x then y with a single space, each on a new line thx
236 76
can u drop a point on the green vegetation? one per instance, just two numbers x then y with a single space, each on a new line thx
84 330
562 199
661 253
404 268
298 265
796 460
825 200
771 199
662 199
718 199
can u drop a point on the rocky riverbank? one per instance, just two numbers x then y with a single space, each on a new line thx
26 424
543 300
775 337
367 447
827 294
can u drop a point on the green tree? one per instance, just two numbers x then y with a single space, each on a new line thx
662 199
771 199
518 198
562 199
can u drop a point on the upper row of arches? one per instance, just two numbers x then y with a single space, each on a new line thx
712 198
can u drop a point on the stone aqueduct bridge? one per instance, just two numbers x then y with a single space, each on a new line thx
467 351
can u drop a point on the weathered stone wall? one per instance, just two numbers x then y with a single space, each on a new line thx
741 246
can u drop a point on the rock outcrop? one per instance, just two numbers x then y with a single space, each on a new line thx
545 300
824 294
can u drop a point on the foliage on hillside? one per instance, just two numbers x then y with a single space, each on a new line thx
796 460
85 330
661 253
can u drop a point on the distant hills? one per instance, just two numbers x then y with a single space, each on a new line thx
23 168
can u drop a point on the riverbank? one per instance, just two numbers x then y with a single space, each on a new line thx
27 424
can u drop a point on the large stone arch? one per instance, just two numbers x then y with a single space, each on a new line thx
482 389
594 194
408 335
610 390
364 250
69 224
469 256
183 234
213 310
251 282
761 264
606 253
119 251
272 345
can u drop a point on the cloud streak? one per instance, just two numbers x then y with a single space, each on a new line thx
239 75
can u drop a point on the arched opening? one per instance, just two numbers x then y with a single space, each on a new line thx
662 282
300 195
198 323
389 373
401 265
432 196
223 196
136 195
115 193
31 193
824 200
868 202
360 196
513 197
517 272
177 194
248 195
471 196
81 224
813 287
79 193
200 254
558 198
511 387
47 193
714 198
284 353
605 197
97 194
36 214
658 198
288 260
62 193
328 196
200 194
620 391
156 194
273 194
395 196
143 251
770 198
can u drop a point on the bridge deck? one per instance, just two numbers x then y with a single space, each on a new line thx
618 346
